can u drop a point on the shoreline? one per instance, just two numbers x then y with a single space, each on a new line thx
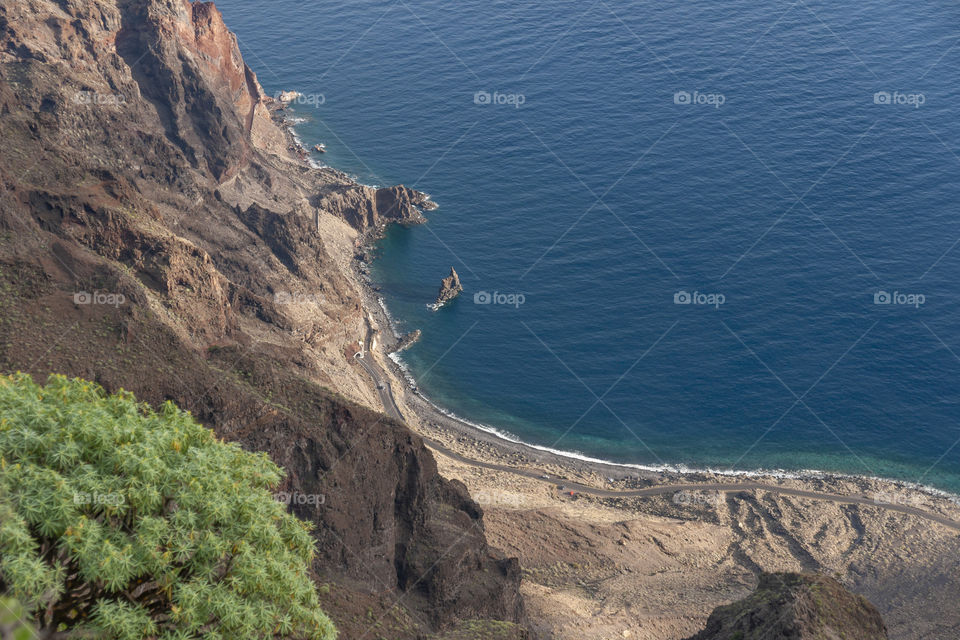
509 441
485 443
447 432
676 544
647 552
682 469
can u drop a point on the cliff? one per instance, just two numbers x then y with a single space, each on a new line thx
797 606
158 234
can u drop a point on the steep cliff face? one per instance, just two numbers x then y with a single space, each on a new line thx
157 235
187 65
370 208
796 606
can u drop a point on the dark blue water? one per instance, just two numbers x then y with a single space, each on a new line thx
812 163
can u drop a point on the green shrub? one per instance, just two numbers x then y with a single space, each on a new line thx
13 620
120 522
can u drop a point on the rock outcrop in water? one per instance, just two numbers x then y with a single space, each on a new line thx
370 208
796 606
408 340
450 288
141 161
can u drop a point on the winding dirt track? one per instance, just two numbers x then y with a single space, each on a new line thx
386 397
724 487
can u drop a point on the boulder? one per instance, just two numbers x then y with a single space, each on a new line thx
796 606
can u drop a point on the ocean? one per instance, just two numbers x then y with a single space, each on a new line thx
705 234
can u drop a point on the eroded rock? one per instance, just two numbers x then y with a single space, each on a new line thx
797 606
450 288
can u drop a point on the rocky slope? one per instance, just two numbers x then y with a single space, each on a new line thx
796 606
655 568
157 234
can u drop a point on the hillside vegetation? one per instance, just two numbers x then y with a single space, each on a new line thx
118 521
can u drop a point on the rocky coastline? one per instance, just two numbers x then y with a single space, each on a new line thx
250 305
489 437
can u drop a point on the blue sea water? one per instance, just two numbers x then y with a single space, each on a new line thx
790 160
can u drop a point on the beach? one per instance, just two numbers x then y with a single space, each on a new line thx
610 550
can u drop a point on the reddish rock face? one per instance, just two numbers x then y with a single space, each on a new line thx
216 44
218 54
187 64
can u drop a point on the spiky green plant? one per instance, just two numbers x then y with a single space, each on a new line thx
121 522
13 621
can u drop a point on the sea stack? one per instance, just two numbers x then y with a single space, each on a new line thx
450 288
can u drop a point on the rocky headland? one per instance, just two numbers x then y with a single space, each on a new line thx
408 340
